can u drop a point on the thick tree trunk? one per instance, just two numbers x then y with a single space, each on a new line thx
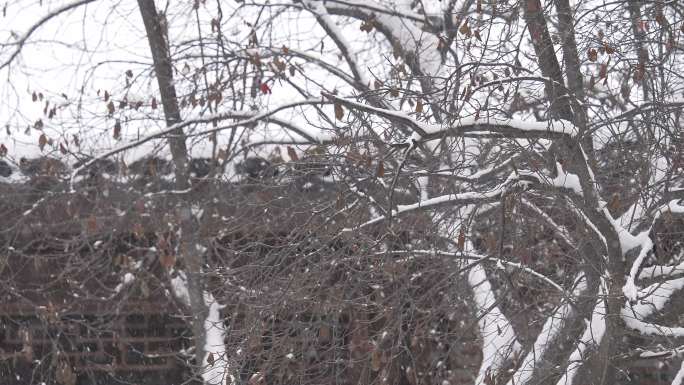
189 253
548 63
580 162
566 27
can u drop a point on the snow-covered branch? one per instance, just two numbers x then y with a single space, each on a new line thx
448 199
551 331
651 300
483 126
499 340
591 338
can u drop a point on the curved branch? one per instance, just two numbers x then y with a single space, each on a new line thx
479 127
22 41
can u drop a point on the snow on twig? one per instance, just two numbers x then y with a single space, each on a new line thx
566 180
644 240
656 271
420 48
484 126
462 198
652 299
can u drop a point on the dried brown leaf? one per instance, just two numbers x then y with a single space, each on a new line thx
381 170
167 260
603 71
339 111
461 239
592 54
292 154
465 29
376 360
42 141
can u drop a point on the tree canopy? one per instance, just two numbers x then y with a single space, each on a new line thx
344 191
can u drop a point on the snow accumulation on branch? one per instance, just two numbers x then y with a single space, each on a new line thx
336 34
552 328
179 285
125 281
401 26
656 271
644 240
215 361
592 336
652 299
630 288
499 342
679 377
567 180
465 198
484 126
461 198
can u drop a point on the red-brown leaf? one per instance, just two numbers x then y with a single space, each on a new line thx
167 260
42 141
603 71
465 29
292 154
381 170
339 111
461 239
592 54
